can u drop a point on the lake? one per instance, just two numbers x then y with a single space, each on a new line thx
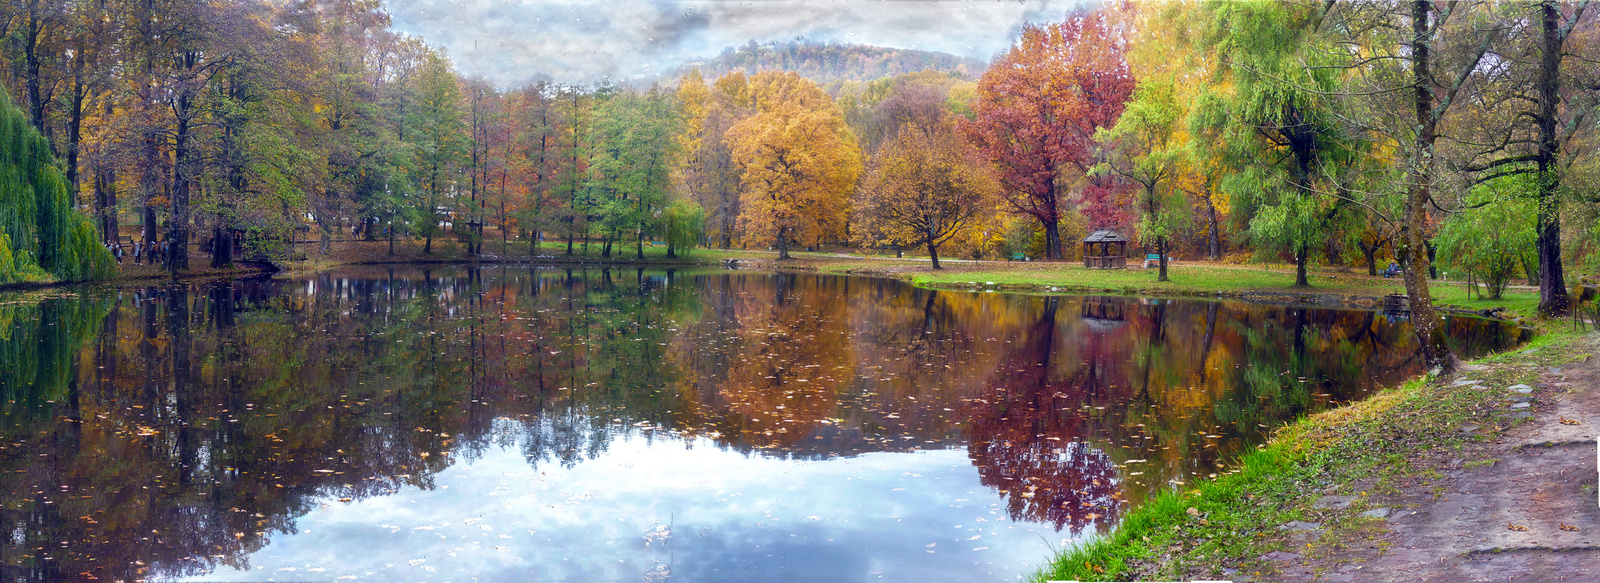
551 424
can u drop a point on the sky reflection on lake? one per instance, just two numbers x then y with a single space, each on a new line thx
646 511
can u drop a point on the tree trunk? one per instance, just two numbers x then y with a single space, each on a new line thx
1213 238
783 243
1413 241
1301 253
221 247
105 199
933 253
1052 239
1553 298
34 28
75 129
1433 268
1371 253
178 224
1161 249
148 224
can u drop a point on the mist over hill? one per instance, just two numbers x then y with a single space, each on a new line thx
826 62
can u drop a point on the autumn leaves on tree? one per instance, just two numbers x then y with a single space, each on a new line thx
800 162
1037 110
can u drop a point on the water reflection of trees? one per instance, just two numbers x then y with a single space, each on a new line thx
1028 437
164 430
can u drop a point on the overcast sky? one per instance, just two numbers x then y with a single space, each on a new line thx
578 41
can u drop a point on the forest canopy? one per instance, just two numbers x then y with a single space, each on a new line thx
1313 133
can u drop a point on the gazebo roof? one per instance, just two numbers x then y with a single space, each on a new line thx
1105 236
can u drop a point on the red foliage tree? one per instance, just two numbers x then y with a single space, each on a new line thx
1038 107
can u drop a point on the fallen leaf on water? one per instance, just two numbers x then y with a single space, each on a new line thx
1569 528
1510 526
1566 421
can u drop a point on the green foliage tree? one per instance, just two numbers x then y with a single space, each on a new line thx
439 141
1277 121
630 163
44 237
683 225
1144 148
1492 242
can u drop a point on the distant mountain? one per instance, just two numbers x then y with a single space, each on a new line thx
826 62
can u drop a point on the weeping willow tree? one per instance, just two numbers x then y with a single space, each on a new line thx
683 223
42 237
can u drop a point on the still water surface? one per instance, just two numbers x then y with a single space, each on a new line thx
517 424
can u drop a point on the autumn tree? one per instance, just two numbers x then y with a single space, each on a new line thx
536 143
709 173
923 188
1038 108
798 162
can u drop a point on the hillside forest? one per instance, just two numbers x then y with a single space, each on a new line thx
1430 134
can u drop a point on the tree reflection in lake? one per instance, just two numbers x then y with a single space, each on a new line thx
167 431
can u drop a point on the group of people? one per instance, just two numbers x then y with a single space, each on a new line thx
142 250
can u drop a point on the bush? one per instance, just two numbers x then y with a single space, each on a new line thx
1490 243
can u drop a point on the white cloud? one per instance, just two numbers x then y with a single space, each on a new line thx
578 41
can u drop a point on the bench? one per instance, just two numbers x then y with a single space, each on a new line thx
1155 258
1018 257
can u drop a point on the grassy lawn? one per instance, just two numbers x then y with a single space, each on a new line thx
1190 279
1232 520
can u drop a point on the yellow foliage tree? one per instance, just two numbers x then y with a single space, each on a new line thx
926 186
798 161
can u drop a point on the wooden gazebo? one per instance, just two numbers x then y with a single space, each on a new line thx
1105 249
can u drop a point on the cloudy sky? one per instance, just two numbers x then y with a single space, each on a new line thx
577 41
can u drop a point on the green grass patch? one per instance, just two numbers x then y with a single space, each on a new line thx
1199 279
1181 278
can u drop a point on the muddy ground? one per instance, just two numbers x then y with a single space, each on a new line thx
1520 505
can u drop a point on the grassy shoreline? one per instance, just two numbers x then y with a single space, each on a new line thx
1226 526
1345 287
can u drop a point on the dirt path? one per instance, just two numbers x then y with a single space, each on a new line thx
1519 506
